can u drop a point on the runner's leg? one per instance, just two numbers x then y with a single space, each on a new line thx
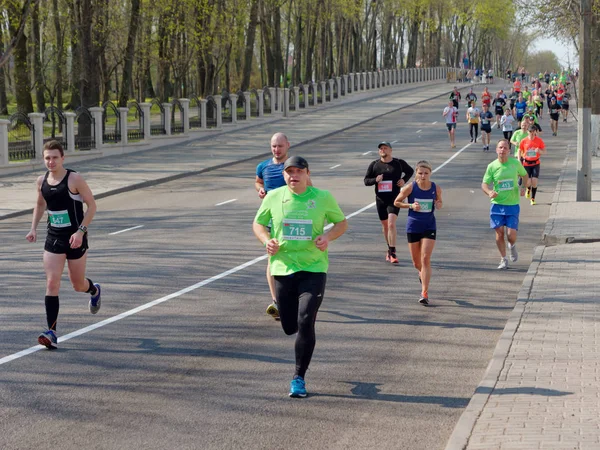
54 265
500 242
427 246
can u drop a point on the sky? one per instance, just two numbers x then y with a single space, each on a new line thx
564 51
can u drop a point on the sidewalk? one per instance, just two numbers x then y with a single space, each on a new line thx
542 386
190 155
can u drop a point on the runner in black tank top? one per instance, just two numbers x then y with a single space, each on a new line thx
62 192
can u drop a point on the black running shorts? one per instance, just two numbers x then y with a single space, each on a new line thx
533 171
60 245
385 209
416 237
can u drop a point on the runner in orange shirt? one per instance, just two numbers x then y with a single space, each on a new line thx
486 97
517 85
531 148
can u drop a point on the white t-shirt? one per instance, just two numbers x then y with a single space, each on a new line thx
473 114
450 112
506 122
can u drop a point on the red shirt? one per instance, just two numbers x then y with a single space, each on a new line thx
486 98
517 86
530 150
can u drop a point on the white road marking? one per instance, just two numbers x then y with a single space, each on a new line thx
367 153
225 202
336 166
393 142
433 123
131 312
418 131
126 229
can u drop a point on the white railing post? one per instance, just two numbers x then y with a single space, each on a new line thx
167 112
297 98
218 101
4 142
330 82
185 104
233 105
147 125
97 113
338 81
323 93
124 125
203 103
286 102
261 102
37 120
247 98
70 131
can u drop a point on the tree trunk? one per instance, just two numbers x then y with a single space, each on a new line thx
59 54
134 21
413 37
249 50
22 76
90 75
297 76
3 98
40 100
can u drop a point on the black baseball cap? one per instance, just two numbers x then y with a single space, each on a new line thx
384 143
295 161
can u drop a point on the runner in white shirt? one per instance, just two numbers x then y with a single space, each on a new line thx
506 121
451 113
473 120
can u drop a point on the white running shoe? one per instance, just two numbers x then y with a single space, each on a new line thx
514 256
503 264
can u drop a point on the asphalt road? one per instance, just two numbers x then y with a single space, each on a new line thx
208 369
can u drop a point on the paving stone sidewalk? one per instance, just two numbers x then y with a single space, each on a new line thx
542 386
209 150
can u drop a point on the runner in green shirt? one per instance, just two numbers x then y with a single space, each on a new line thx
297 248
500 184
518 136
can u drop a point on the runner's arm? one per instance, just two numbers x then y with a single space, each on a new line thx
38 211
404 193
487 190
259 185
262 234
438 195
82 188
407 170
370 177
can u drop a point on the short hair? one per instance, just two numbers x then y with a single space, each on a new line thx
54 145
532 127
425 164
503 140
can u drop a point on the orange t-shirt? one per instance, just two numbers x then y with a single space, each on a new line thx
530 150
517 86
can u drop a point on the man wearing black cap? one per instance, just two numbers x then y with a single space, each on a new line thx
297 248
388 175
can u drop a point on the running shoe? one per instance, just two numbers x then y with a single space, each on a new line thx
393 259
503 264
471 139
95 301
528 193
48 339
387 256
424 301
453 146
298 387
532 201
514 256
273 310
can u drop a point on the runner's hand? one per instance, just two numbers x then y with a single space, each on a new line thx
76 239
379 178
31 236
438 204
493 194
400 182
322 242
416 206
522 191
262 193
272 247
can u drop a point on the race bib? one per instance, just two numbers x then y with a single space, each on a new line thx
384 186
297 229
59 219
531 153
426 204
506 185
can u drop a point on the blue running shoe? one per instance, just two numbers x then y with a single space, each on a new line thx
95 301
298 387
48 339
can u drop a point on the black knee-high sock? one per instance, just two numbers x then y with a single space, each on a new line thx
92 289
51 311
533 191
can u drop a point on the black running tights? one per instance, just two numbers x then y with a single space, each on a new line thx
474 127
299 297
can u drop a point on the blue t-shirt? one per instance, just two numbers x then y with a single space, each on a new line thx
521 107
423 220
271 174
486 118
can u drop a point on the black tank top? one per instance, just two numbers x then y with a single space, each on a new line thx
65 209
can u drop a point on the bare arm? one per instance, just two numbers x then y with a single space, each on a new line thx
438 194
322 242
38 211
259 185
84 191
262 234
404 193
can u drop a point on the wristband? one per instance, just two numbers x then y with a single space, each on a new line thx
82 228
410 206
265 243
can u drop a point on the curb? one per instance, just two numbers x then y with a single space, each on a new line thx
169 178
547 237
459 439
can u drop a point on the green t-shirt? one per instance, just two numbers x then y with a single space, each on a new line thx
526 95
516 139
505 177
297 221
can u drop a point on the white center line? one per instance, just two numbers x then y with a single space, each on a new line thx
418 131
367 153
434 123
393 142
336 166
126 229
225 202
131 312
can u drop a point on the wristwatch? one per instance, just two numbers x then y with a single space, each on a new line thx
82 228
